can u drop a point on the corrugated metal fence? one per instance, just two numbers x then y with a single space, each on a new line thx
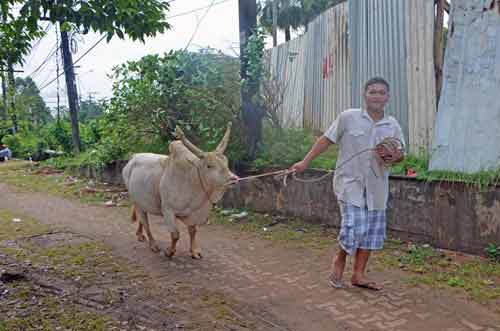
352 42
328 71
287 67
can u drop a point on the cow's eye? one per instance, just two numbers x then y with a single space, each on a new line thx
209 166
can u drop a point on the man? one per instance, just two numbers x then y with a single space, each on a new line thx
5 153
361 184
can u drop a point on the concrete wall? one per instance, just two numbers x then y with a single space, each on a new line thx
110 173
445 214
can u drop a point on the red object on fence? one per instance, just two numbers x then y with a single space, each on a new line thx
411 172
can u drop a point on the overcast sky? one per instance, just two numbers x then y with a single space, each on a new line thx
219 29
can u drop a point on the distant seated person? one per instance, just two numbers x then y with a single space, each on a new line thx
5 153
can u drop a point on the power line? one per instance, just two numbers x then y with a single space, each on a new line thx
105 35
65 68
32 74
37 43
46 78
37 70
197 9
198 25
79 88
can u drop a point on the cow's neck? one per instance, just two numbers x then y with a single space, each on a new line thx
204 187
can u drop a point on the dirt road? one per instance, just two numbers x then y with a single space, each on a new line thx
289 284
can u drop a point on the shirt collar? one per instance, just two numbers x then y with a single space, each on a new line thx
384 120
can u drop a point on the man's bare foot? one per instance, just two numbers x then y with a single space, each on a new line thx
365 283
335 279
335 282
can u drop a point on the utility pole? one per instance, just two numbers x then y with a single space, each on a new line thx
275 23
3 113
69 73
57 75
9 91
4 86
252 116
12 94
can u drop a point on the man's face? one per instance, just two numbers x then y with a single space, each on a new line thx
376 97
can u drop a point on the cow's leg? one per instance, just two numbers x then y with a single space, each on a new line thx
170 251
174 232
195 251
143 218
138 233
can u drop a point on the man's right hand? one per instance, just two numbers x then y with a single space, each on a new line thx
299 167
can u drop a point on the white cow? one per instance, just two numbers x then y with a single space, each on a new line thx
182 186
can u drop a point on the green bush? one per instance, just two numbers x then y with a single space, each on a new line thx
25 145
90 133
197 91
283 147
419 164
14 143
57 134
493 252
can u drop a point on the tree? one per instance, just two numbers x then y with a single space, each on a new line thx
136 19
313 8
290 16
198 91
15 43
90 110
16 36
251 52
32 114
293 14
30 106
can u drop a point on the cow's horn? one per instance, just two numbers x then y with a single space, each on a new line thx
189 145
223 143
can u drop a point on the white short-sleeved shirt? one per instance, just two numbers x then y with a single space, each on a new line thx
354 130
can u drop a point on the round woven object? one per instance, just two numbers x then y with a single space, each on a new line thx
389 147
386 148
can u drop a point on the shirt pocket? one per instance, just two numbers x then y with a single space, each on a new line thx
357 139
356 133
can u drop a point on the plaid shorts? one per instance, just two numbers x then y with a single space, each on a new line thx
361 228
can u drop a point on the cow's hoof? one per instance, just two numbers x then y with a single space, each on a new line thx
196 255
169 253
154 247
141 237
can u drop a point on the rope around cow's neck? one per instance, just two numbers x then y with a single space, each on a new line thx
207 194
389 143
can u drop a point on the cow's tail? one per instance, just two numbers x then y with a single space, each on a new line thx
134 214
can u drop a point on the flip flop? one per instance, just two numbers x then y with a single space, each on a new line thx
334 282
368 285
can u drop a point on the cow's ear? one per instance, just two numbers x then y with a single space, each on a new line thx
223 143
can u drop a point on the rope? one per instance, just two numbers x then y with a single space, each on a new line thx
277 173
390 144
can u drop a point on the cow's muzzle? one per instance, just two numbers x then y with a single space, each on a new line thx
233 179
